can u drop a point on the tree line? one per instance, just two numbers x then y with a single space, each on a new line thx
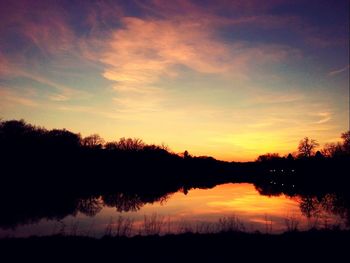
15 134
18 133
42 170
307 148
36 156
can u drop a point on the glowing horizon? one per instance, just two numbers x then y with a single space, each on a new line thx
228 79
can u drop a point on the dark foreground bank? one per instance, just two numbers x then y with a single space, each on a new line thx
310 246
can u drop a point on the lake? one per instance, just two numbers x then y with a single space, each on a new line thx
230 206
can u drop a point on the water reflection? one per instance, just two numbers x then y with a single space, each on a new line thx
318 206
125 202
252 207
313 204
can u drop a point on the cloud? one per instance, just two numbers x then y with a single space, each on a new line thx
151 47
338 71
61 93
54 40
139 53
260 96
197 8
51 37
56 91
325 117
48 47
38 24
145 52
10 98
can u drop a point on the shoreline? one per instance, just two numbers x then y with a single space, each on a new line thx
226 246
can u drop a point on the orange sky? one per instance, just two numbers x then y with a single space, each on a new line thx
229 79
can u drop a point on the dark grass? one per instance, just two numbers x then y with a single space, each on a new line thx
309 246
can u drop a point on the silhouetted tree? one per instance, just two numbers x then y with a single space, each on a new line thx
268 157
319 155
309 206
63 139
93 141
186 155
307 147
346 141
130 144
332 150
290 157
111 146
90 206
123 202
14 133
165 147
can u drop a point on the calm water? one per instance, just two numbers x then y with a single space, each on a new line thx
226 206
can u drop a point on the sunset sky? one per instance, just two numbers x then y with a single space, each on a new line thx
229 79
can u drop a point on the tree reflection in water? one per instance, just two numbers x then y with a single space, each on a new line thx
125 202
90 206
24 208
317 206
313 203
27 208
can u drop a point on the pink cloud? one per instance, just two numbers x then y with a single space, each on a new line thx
43 23
143 53
144 50
254 13
195 9
10 98
16 67
338 71
54 36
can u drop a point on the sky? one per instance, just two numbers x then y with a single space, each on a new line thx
228 79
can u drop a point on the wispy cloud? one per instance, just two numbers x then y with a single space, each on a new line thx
56 91
325 117
11 98
146 51
338 71
260 96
